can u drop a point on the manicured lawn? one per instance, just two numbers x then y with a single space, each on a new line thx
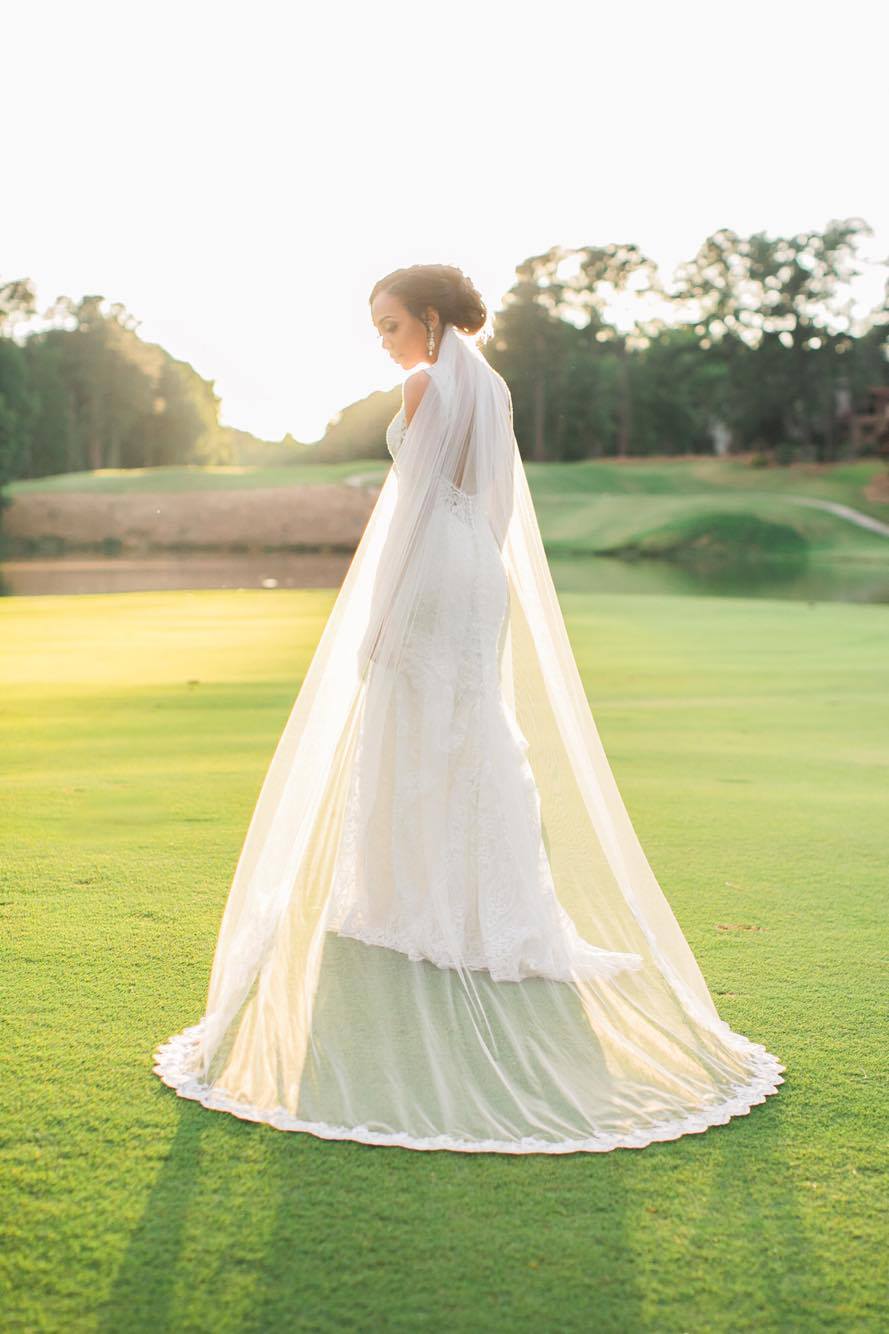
194 477
750 738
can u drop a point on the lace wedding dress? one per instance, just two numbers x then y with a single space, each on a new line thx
442 855
443 931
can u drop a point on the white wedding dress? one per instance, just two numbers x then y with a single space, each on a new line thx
413 946
442 856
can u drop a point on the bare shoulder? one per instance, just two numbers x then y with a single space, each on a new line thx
413 390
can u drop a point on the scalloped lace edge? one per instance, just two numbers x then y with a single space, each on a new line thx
173 1067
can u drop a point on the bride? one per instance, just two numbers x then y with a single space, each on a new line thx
442 931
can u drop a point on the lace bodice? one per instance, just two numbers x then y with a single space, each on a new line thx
395 432
460 503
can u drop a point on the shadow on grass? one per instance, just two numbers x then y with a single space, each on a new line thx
248 1227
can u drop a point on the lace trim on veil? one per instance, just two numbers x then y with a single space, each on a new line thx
175 1067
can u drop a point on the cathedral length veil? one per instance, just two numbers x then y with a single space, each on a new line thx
309 1029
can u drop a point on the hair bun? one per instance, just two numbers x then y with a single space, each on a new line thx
470 311
443 286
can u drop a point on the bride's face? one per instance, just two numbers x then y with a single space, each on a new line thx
403 335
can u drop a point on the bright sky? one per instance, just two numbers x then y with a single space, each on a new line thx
239 175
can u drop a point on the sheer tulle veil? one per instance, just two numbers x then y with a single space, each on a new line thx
307 1030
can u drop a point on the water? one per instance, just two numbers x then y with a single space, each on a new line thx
128 574
814 582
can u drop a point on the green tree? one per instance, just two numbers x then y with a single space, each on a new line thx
775 313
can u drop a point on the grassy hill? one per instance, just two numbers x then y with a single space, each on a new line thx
676 508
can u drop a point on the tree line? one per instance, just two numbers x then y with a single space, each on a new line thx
751 345
88 392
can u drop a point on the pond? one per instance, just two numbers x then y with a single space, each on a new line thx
813 582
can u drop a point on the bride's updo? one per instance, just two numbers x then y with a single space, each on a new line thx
440 285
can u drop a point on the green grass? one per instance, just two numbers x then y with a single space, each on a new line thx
590 525
706 476
726 536
846 482
603 507
750 739
192 477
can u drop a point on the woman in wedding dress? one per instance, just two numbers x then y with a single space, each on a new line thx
443 932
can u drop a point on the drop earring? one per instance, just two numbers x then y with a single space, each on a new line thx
430 340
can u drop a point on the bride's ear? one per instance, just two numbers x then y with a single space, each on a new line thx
415 387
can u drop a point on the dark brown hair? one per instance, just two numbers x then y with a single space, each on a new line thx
440 285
